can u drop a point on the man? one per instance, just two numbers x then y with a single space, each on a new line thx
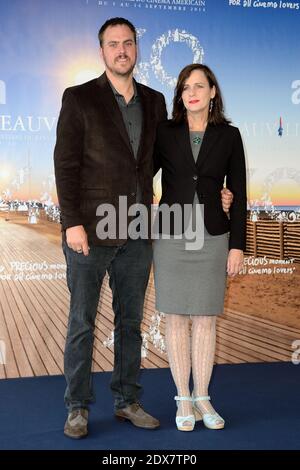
105 139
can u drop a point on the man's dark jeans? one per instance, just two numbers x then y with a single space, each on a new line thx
128 266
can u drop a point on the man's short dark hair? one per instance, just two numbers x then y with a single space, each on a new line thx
115 22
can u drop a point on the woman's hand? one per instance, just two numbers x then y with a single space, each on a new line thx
235 261
227 199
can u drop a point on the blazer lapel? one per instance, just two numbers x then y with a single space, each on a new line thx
210 136
148 121
183 137
108 100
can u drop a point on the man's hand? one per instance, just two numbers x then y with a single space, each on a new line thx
227 198
77 239
235 261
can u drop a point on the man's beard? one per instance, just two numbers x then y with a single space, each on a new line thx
120 73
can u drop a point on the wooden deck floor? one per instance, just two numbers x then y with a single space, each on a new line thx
33 317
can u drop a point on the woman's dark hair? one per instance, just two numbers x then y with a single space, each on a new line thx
115 22
216 115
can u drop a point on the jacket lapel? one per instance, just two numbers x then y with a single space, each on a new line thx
108 100
148 121
183 138
209 139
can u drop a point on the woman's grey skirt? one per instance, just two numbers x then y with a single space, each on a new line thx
190 282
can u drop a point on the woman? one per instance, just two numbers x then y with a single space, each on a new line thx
197 150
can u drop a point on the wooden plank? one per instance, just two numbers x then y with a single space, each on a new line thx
16 338
239 355
9 369
259 335
34 346
255 350
40 358
264 321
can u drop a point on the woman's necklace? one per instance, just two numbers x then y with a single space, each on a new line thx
197 140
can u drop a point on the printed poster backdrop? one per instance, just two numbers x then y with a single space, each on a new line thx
253 47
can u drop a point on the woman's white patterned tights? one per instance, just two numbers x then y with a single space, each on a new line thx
191 348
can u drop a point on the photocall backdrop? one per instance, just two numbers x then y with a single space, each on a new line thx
46 46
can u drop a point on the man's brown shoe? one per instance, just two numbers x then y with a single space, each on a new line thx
137 416
76 424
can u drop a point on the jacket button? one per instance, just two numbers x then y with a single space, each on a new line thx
195 177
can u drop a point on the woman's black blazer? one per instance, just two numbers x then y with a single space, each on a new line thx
221 156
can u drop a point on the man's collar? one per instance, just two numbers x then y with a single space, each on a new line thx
116 93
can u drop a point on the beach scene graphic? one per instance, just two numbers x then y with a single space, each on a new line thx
260 323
